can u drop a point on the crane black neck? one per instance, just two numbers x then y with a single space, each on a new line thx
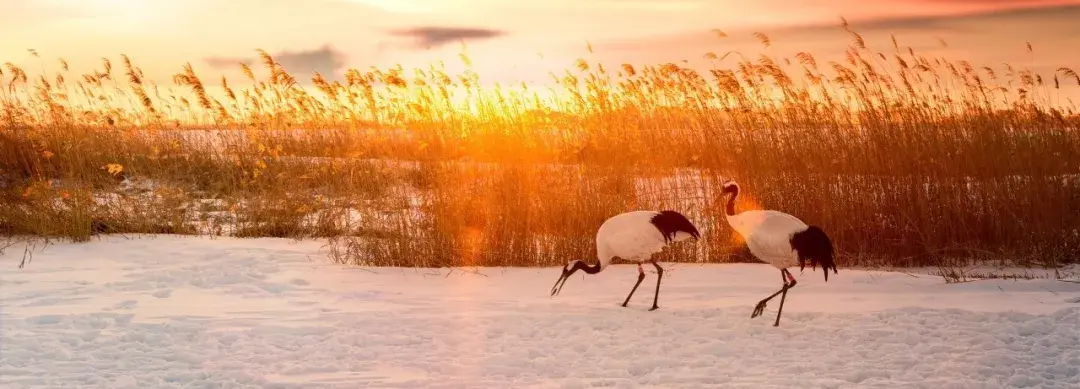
730 206
586 268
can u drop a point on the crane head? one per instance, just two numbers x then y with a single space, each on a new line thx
729 186
569 270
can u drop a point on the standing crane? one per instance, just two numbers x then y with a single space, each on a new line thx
633 236
781 240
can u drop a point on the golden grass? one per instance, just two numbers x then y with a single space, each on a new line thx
904 159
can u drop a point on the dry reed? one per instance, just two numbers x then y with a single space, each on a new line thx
904 159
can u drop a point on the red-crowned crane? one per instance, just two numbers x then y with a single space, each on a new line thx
633 236
781 240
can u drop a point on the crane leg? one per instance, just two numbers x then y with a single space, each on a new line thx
790 285
659 275
640 276
789 282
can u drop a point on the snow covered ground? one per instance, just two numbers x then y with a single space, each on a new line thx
169 311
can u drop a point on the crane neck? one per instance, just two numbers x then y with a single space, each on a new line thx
603 257
729 208
591 269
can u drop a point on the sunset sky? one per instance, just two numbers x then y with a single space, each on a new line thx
506 38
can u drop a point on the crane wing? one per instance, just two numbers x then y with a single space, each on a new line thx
768 235
635 244
630 236
773 247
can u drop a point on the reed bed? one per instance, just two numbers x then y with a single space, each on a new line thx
905 159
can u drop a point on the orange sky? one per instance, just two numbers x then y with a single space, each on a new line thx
505 37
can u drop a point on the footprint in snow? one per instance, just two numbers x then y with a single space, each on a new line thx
163 294
273 288
125 382
1075 300
126 304
300 282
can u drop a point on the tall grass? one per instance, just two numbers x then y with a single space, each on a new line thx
903 159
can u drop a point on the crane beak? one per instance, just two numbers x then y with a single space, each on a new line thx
562 280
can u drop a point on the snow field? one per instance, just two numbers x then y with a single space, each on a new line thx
191 312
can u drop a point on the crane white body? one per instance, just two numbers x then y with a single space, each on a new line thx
768 235
633 236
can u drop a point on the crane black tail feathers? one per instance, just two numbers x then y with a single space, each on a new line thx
670 222
815 245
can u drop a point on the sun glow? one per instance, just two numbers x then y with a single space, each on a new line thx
406 6
117 14
126 8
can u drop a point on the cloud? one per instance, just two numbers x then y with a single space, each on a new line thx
227 62
431 37
302 64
